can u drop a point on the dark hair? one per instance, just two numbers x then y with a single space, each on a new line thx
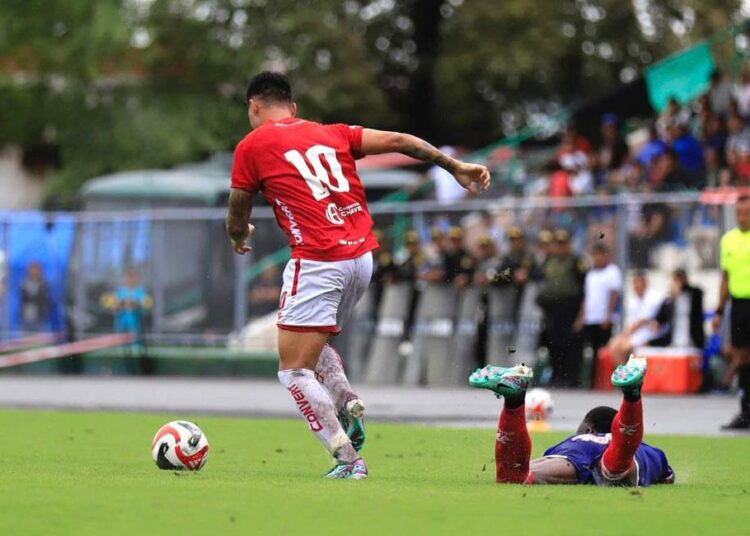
269 86
639 274
600 419
743 198
600 248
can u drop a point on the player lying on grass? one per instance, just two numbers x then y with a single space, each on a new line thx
606 450
307 173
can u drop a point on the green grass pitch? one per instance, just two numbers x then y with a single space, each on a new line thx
92 473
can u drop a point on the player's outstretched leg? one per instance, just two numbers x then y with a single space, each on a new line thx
349 407
513 443
317 409
627 426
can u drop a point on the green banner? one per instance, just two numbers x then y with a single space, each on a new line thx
684 75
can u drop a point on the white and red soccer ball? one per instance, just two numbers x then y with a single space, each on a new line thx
180 445
539 404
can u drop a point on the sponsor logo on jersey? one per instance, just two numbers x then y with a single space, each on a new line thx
293 225
333 215
336 214
351 242
305 408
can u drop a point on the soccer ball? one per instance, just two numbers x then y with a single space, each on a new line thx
180 445
539 404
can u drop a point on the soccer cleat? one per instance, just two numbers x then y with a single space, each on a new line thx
629 377
356 470
503 381
740 422
351 418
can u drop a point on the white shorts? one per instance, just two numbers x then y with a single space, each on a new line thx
320 296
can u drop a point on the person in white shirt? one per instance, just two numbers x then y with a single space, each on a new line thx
446 191
602 292
640 313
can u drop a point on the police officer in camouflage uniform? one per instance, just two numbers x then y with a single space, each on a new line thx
560 298
459 265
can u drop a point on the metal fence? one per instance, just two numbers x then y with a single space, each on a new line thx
201 291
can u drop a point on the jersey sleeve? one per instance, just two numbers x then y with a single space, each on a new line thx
353 135
244 176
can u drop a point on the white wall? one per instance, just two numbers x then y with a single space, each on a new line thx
19 188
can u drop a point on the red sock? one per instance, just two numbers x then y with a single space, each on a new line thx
512 447
627 434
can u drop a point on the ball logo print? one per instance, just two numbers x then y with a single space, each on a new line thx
180 445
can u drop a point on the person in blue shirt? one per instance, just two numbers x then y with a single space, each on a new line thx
606 450
129 303
689 151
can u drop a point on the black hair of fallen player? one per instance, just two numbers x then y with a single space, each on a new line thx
269 86
600 419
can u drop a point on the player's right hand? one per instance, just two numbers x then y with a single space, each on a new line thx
473 177
240 246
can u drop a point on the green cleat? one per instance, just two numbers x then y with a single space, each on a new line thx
629 377
503 381
352 421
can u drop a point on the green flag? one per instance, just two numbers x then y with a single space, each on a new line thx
684 75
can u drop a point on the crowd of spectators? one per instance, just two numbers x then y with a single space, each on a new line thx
705 143
581 296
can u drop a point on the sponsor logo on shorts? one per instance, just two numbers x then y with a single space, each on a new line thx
305 408
293 225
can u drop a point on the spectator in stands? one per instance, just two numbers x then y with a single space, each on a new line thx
573 141
459 265
719 93
640 316
743 94
739 135
652 149
714 144
651 230
434 252
560 298
409 264
545 245
35 300
130 302
264 293
680 317
668 175
688 150
672 112
487 262
613 151
517 267
602 293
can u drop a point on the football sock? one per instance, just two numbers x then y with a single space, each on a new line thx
512 446
330 372
316 408
627 433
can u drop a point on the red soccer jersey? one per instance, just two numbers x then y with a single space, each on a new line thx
307 173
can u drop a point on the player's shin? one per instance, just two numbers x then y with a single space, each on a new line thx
330 372
513 445
627 434
317 409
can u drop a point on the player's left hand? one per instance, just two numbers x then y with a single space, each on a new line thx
473 177
240 246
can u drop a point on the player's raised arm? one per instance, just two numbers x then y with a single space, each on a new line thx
473 177
239 228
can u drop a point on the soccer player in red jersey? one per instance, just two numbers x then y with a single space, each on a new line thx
307 173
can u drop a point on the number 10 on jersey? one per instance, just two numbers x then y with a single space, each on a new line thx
317 177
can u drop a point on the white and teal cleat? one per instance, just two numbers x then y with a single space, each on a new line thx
352 421
348 471
629 377
503 381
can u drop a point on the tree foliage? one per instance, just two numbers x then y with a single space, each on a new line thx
119 84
